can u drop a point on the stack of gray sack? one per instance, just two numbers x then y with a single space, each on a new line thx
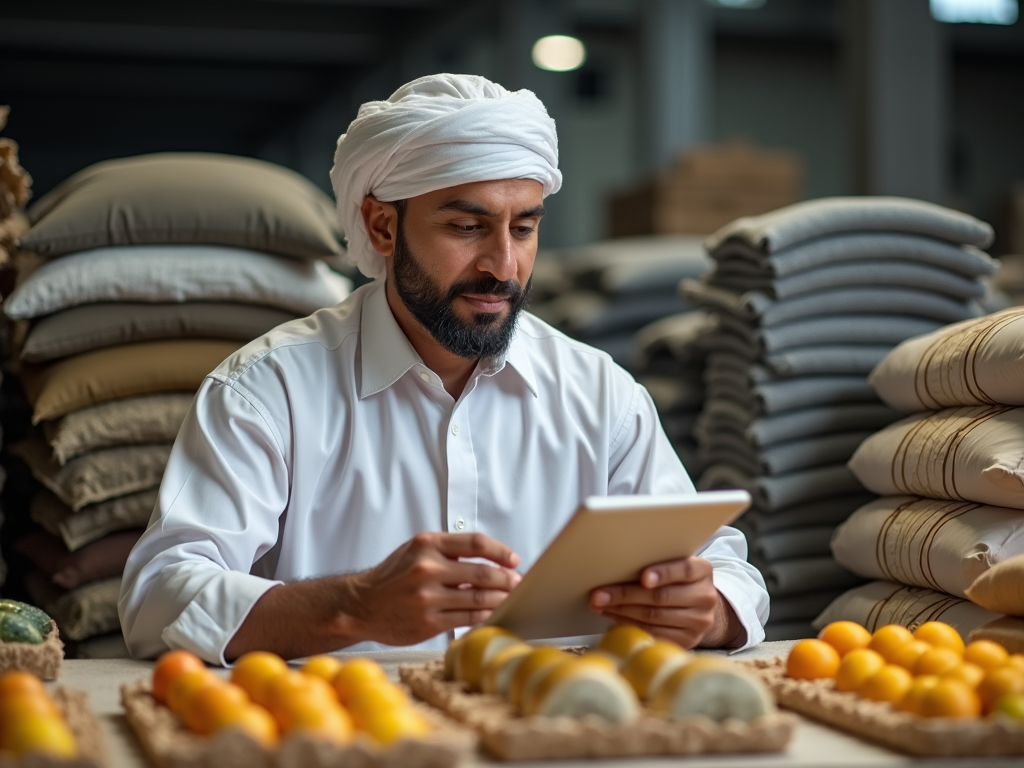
807 301
603 293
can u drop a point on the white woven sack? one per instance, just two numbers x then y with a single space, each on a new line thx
965 454
974 362
943 545
882 602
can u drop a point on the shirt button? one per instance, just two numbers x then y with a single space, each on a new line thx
460 524
455 429
425 376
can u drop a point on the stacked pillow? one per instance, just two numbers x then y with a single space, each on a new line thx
808 299
950 523
136 279
605 292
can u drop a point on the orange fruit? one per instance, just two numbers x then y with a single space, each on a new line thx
906 655
1011 705
388 726
887 639
911 702
856 667
890 683
325 667
812 660
15 705
253 672
47 735
214 705
999 682
969 674
255 721
940 635
355 675
18 682
985 654
1016 660
293 690
185 687
332 722
169 667
623 640
950 698
937 661
845 636
372 699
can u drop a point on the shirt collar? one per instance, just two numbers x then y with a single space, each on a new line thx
386 354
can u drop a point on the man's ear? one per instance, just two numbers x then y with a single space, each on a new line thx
381 220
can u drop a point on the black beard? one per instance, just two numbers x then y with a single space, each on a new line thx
431 305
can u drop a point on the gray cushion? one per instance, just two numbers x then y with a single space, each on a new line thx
812 541
778 492
806 575
92 326
832 510
186 198
769 397
772 232
801 608
782 457
739 256
672 342
888 329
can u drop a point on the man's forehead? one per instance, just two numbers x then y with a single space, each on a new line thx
483 197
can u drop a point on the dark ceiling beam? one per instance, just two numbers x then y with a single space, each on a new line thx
169 42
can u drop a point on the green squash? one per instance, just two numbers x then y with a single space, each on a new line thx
23 623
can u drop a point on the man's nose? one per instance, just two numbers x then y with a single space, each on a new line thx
498 257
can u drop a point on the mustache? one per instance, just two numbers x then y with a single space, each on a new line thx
487 285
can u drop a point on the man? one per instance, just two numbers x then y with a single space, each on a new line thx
373 475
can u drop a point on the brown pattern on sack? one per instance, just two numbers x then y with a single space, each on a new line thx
912 527
947 372
910 607
881 722
507 736
924 463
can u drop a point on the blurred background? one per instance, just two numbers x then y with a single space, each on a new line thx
865 96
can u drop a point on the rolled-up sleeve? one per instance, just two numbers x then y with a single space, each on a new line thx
187 583
643 461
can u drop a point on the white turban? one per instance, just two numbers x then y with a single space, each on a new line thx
436 132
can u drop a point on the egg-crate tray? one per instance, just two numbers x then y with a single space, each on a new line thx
43 660
92 751
168 744
882 723
507 736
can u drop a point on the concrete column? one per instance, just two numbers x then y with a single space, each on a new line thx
898 72
677 49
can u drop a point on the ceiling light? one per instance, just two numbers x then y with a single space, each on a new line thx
559 53
747 5
975 11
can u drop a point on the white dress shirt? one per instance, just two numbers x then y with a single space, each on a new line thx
321 447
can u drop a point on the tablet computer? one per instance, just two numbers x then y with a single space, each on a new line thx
610 539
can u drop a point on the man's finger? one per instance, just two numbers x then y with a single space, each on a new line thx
471 599
681 571
462 618
697 595
678 618
480 575
456 545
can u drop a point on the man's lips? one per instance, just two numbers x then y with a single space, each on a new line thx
485 302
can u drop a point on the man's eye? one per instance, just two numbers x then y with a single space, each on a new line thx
523 231
466 228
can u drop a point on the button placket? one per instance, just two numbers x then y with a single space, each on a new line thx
462 473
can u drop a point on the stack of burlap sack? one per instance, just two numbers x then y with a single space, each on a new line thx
137 278
806 301
946 539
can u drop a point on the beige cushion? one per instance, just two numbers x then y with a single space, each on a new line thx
126 371
975 362
97 476
968 454
95 521
943 545
882 602
92 326
130 421
84 612
186 198
1007 631
1001 588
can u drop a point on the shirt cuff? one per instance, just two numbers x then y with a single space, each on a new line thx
735 592
212 618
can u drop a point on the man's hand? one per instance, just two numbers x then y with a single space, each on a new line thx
422 588
675 600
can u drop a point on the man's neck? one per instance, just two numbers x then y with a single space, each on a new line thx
454 370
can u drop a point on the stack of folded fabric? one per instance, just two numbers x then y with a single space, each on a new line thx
951 478
605 292
807 301
137 278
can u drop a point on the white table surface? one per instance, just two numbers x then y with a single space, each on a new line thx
813 744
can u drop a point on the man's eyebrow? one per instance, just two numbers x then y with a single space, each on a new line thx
465 206
532 213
